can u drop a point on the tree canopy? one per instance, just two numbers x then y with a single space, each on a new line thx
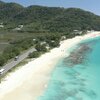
47 19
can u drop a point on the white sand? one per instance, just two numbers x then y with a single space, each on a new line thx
30 80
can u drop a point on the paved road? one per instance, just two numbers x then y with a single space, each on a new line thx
4 43
13 63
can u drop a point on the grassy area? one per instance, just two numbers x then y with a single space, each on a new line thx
6 36
3 46
9 36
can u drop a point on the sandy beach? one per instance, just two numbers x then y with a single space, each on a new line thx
31 80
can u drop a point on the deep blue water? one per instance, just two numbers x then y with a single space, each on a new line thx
80 82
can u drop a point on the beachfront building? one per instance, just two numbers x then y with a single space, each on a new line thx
19 27
42 43
63 37
47 47
34 39
77 32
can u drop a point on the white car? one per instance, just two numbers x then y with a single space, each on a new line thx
16 58
1 71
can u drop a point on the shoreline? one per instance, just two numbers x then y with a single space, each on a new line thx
30 81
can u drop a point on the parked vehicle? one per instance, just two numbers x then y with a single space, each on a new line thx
2 71
16 58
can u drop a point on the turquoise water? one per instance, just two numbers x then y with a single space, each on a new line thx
80 82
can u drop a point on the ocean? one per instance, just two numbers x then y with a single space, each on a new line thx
76 77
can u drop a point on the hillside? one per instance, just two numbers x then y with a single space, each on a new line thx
46 19
9 10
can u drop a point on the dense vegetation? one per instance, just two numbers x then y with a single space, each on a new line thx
47 19
42 43
41 27
18 46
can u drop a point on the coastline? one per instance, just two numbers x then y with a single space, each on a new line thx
30 81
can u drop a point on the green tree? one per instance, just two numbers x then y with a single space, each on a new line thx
35 54
2 60
40 48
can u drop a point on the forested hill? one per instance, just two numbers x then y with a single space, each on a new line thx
46 19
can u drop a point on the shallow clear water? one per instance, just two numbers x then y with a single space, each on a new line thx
80 82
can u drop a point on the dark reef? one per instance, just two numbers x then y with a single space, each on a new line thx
78 55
